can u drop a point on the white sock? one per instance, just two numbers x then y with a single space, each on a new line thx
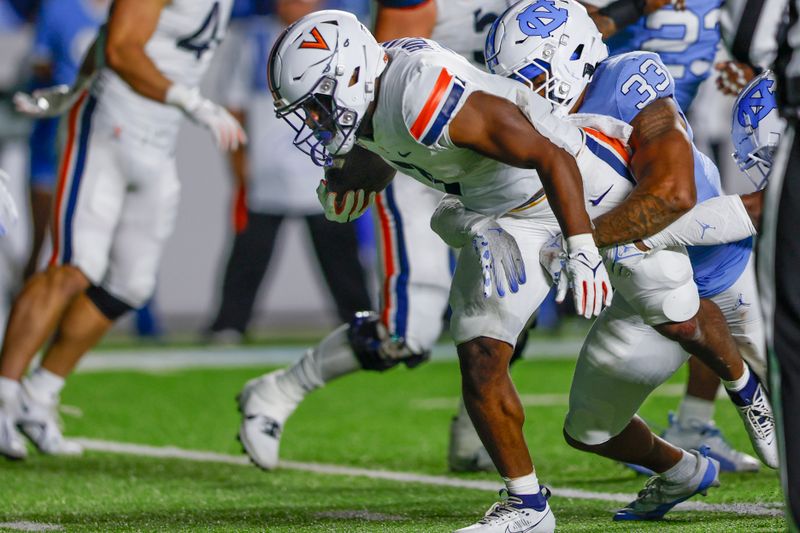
9 392
738 384
331 358
43 385
523 485
695 411
683 470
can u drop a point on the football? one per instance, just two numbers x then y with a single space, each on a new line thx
359 169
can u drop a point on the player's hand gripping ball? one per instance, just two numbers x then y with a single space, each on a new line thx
351 183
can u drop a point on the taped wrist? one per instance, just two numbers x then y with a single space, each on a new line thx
624 12
183 97
584 240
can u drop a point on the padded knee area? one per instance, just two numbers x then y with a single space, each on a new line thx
108 304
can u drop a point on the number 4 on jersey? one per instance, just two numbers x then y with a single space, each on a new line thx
205 37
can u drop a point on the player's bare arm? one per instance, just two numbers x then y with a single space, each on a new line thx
496 128
393 23
130 26
663 165
616 16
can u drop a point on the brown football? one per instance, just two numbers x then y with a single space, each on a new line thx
360 169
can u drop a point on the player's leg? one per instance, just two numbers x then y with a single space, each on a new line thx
701 329
693 426
336 248
485 331
415 283
43 170
622 361
82 326
87 206
248 261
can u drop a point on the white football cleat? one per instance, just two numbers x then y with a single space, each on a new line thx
692 437
517 514
264 408
12 445
660 495
466 452
40 422
755 410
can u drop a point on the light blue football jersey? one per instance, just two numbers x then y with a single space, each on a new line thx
686 41
622 86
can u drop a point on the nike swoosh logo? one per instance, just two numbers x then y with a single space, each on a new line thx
599 199
404 154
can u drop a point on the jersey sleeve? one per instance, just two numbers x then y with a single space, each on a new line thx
240 73
641 78
432 97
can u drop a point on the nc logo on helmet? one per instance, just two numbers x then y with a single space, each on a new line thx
542 18
757 104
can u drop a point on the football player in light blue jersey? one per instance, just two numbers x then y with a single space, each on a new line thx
684 34
64 31
549 46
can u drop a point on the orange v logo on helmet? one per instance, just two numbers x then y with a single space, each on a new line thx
318 43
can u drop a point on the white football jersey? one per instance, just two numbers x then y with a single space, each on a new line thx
422 89
181 47
462 25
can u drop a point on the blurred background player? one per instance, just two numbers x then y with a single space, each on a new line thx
117 197
274 183
64 32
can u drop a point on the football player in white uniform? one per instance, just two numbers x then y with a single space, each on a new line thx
426 110
542 43
415 265
116 200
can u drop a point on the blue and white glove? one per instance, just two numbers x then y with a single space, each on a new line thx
8 207
552 257
586 275
501 260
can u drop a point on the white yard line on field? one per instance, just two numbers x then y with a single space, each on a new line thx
160 360
24 525
170 452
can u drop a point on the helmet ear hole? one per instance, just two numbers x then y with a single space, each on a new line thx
354 77
577 53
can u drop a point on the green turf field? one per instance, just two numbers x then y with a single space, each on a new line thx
396 421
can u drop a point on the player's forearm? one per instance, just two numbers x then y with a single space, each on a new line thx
394 23
564 189
718 220
238 158
134 66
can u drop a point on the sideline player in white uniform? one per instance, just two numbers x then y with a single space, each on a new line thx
117 197
415 263
542 44
421 106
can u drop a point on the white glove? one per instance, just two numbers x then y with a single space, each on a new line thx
500 258
49 102
587 276
8 208
227 131
352 205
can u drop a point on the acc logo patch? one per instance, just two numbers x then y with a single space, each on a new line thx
757 104
318 43
541 19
